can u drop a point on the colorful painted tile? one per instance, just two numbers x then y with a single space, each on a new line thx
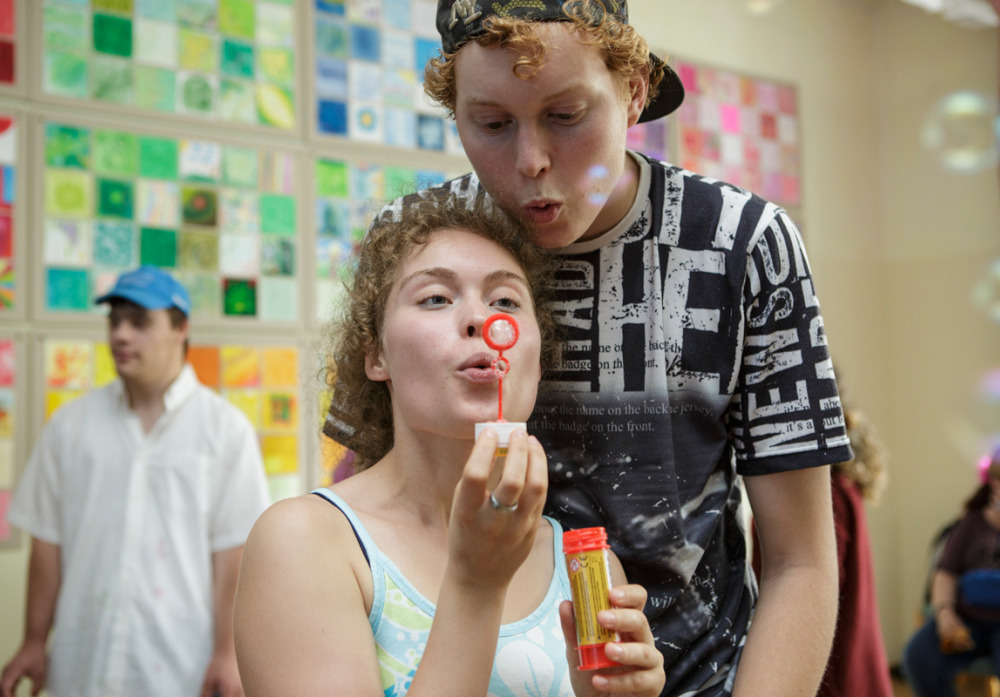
196 93
238 255
280 454
332 178
239 167
115 153
239 211
239 297
238 18
155 88
158 247
114 244
236 101
67 290
241 366
68 243
7 365
206 362
200 160
280 367
112 80
164 10
237 59
158 158
277 214
197 51
280 412
115 198
277 256
68 194
65 28
157 203
65 74
199 251
66 146
278 299
199 206
275 106
112 35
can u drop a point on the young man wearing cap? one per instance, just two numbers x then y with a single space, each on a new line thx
694 352
138 497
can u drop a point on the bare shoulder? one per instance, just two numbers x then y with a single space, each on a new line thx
305 524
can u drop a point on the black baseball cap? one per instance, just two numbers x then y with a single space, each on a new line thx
460 20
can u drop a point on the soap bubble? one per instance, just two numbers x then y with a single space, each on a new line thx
986 293
990 387
964 130
597 185
761 7
502 333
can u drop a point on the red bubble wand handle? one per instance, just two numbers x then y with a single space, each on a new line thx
500 332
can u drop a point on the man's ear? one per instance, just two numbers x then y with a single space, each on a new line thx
638 87
375 367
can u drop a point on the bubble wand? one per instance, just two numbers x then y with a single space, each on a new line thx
500 332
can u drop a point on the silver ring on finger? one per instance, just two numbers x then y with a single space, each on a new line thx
501 507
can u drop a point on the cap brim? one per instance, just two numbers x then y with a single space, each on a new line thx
137 296
669 96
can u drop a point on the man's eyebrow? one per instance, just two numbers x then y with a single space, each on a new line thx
568 89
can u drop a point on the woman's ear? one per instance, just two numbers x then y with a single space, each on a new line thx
375 367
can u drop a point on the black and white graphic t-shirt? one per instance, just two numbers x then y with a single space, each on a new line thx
694 353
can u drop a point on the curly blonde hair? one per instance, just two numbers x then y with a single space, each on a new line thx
360 415
868 468
625 51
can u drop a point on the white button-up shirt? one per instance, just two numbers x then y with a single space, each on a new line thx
137 517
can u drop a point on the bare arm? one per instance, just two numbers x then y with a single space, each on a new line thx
953 633
222 676
796 612
44 580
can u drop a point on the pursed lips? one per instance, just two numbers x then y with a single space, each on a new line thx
479 368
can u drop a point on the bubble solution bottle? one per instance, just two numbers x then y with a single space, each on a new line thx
586 552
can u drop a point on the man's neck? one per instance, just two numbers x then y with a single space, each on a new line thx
146 400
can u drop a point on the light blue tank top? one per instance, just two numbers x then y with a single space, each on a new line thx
531 653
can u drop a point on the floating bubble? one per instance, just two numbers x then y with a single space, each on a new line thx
990 386
964 130
502 333
597 185
761 7
986 293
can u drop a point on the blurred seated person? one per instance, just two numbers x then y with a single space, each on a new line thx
964 623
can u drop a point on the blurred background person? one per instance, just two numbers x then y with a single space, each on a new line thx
964 616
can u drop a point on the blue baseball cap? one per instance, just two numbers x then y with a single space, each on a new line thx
151 288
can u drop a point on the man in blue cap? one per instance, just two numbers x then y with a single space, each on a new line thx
694 356
138 497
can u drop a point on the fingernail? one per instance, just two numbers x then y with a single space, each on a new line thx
615 652
600 682
617 595
607 618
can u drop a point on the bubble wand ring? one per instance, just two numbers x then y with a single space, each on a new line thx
500 332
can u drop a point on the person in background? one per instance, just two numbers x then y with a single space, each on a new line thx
694 350
138 498
431 571
964 622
